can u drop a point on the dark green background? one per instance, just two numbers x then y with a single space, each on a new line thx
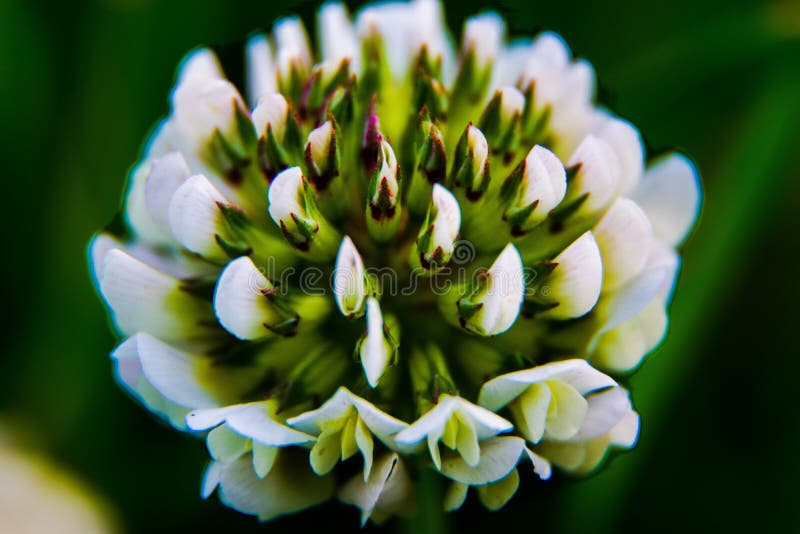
82 83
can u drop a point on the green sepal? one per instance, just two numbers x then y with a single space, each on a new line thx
471 83
517 217
375 72
503 136
429 91
340 105
535 123
320 84
272 156
202 287
233 249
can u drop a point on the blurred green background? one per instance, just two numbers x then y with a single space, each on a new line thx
82 83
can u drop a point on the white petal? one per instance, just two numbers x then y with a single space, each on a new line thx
486 423
334 408
260 68
498 457
505 294
195 217
576 281
284 194
544 180
670 195
467 442
494 496
264 457
167 261
348 282
191 380
566 412
137 216
626 141
546 64
484 34
380 423
455 496
447 222
144 299
200 107
225 445
431 422
626 433
128 372
383 425
606 410
512 102
255 421
540 465
337 35
374 352
290 487
272 110
500 391
624 236
622 348
428 26
630 299
391 20
510 62
388 489
201 64
291 39
211 479
239 301
663 256
597 175
166 175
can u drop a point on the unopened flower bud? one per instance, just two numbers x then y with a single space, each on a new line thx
377 348
293 56
436 240
215 123
537 186
493 304
292 206
430 165
261 78
596 175
573 286
471 165
483 37
350 283
322 156
383 202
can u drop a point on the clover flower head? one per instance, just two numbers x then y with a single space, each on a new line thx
395 252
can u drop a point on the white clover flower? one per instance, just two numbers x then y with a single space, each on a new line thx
343 426
242 428
398 222
388 490
552 400
459 425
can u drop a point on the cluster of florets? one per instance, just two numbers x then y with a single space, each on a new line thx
401 255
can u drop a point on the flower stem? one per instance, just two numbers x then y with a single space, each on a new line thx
430 517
